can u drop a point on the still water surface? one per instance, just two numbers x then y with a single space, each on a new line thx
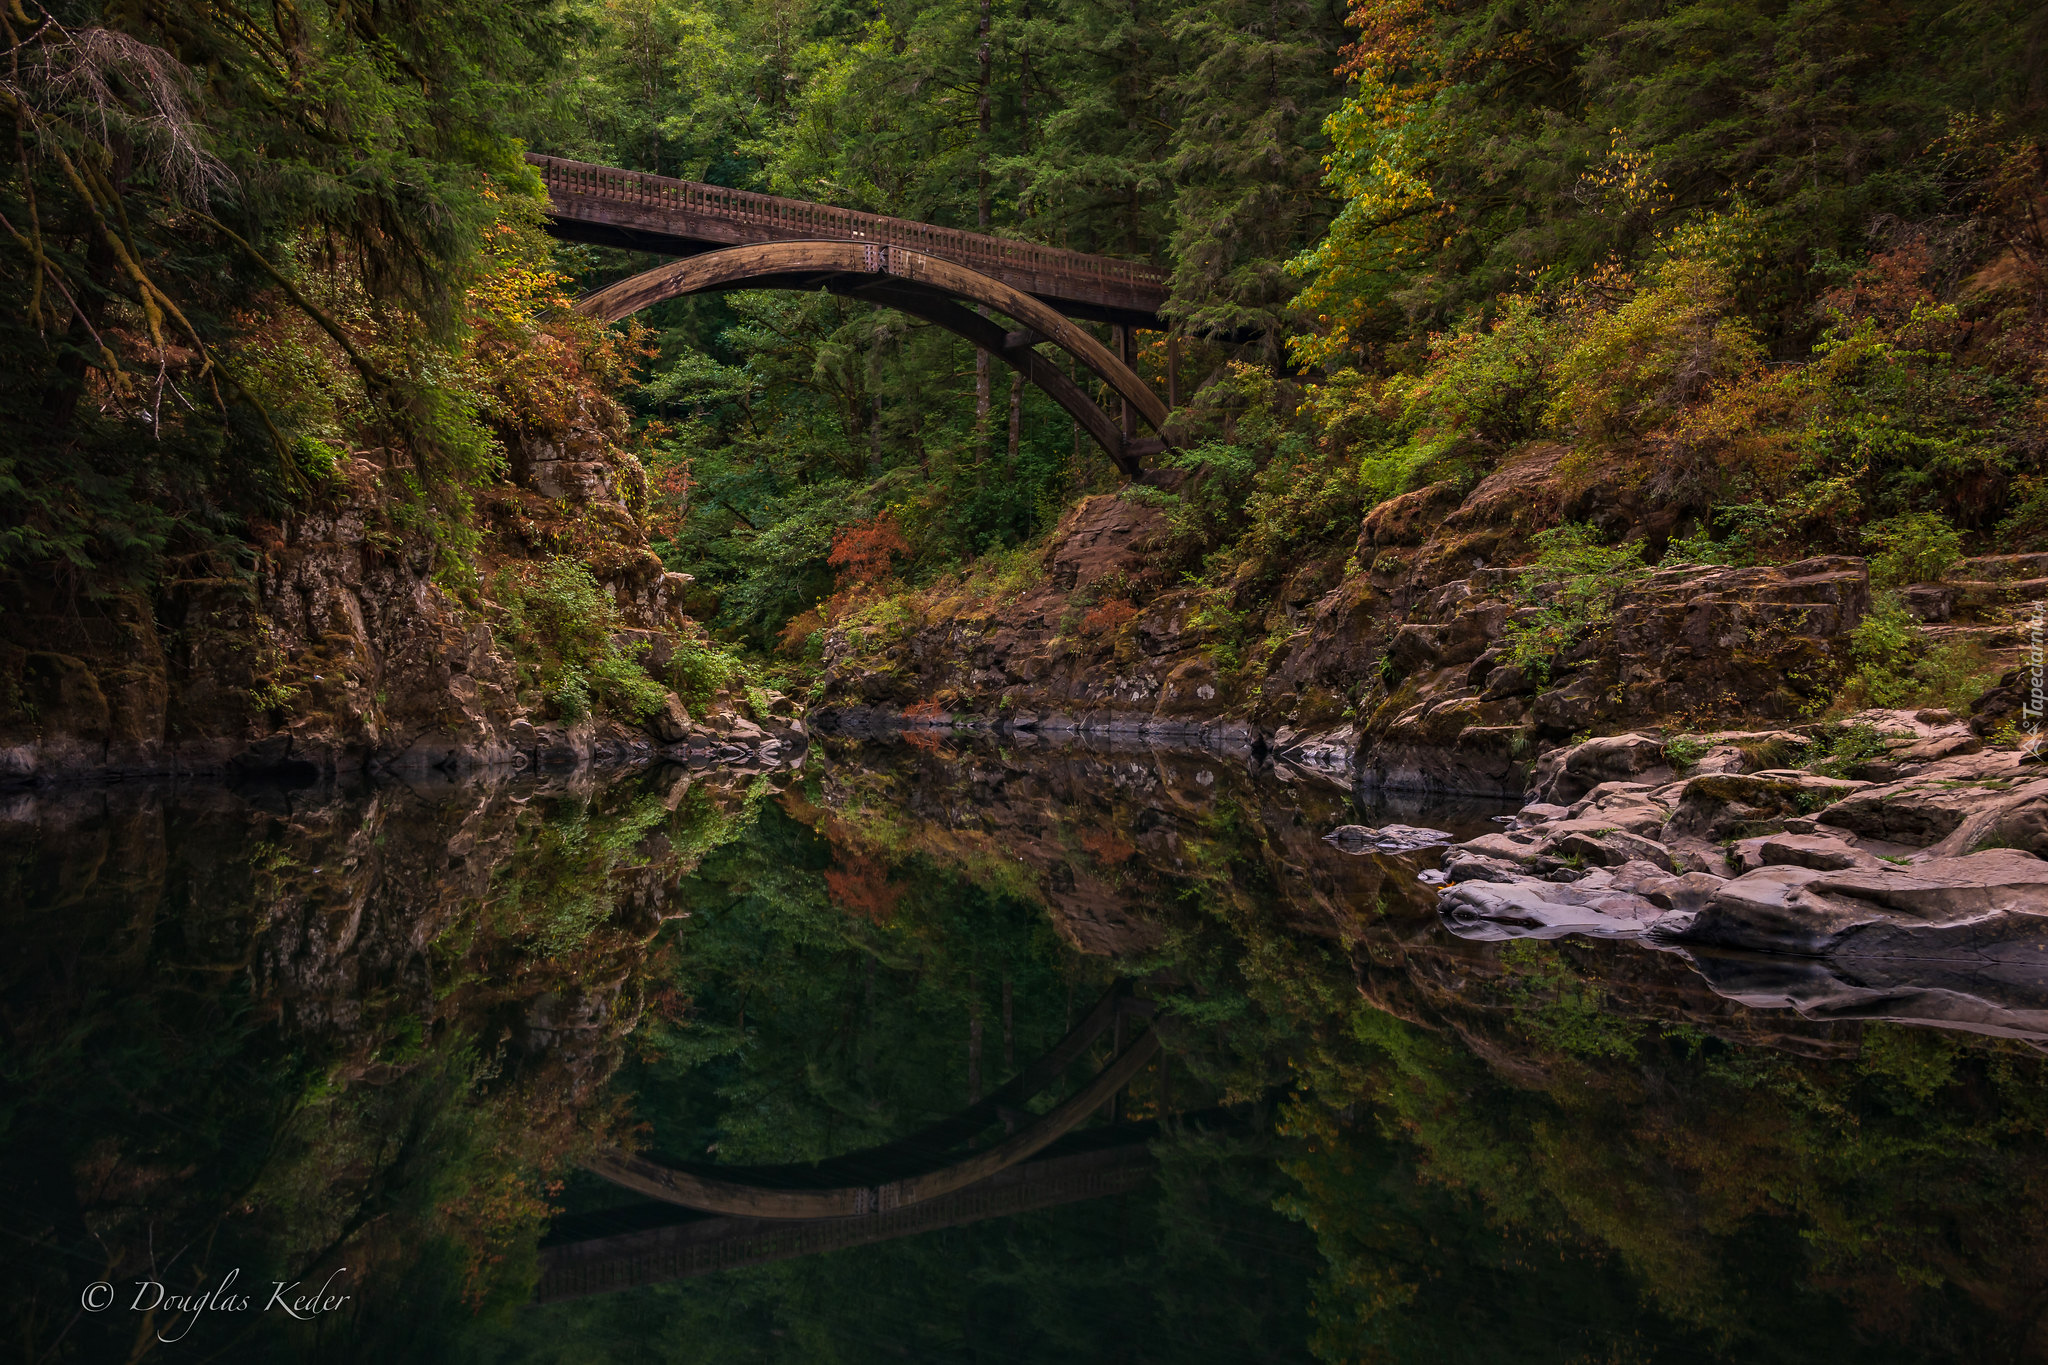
369 1042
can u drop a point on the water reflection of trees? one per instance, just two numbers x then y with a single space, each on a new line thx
289 1032
1546 1127
286 1032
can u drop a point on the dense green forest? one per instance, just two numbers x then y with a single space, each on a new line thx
1781 264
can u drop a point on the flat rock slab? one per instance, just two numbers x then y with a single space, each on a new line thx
1386 838
1972 905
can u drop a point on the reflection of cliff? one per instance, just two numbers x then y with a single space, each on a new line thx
1112 840
287 1032
1106 837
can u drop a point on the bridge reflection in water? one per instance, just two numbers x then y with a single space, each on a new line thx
700 1217
655 1243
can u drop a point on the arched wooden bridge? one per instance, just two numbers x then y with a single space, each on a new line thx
926 1165
735 239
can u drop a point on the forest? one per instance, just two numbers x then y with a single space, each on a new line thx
1778 265
1489 322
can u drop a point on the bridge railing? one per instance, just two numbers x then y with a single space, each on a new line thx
799 218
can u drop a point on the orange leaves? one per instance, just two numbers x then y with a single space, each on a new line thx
926 711
1108 618
1889 288
862 555
1107 847
862 552
799 631
861 885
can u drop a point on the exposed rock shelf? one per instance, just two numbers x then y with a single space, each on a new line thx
1393 670
1923 896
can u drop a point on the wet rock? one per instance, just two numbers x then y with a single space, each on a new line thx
1544 910
1957 804
1942 906
1385 839
343 654
671 722
2003 996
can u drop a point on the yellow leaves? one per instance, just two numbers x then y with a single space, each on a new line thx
1384 142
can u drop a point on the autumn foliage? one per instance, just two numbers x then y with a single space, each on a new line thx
861 554
1109 618
861 885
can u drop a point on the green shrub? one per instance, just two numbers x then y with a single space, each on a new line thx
1701 548
1834 754
1885 646
1634 367
1896 668
1919 547
699 669
1573 584
1685 750
561 627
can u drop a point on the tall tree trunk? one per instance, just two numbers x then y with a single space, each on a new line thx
973 1042
986 59
1009 1032
1016 412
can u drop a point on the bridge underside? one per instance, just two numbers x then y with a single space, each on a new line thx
930 288
660 241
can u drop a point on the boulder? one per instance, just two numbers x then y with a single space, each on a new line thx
1385 839
1565 775
1822 852
671 722
1722 806
1602 846
1956 805
1689 892
1945 906
1468 865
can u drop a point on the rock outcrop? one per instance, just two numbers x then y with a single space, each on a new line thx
1935 882
1396 669
343 649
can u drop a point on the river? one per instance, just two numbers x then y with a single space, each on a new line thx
326 1073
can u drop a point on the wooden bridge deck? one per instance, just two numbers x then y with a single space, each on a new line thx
611 207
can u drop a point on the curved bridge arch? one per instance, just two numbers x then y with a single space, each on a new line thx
830 1190
924 286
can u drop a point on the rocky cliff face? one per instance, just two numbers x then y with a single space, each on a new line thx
1392 668
337 647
